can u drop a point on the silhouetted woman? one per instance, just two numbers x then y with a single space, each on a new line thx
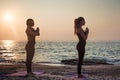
30 46
82 36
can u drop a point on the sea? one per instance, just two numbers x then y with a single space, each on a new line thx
53 52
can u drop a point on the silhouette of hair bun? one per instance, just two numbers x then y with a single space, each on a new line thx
29 21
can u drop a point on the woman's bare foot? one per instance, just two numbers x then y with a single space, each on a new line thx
30 74
81 76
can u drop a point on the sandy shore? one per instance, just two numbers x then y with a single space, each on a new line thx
53 72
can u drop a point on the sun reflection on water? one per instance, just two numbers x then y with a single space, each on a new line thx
6 48
8 43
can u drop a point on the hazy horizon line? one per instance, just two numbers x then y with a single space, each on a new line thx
63 40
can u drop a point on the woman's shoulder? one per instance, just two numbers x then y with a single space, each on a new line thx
30 29
79 30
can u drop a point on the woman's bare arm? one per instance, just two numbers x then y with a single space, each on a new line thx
33 33
80 30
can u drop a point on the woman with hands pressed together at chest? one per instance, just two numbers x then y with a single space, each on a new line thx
82 36
30 46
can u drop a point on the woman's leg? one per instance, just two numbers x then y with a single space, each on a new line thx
29 57
81 52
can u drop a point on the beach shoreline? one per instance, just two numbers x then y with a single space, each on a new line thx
57 72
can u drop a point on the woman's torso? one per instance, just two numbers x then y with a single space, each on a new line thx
30 36
81 42
31 39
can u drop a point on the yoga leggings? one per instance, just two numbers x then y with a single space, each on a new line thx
81 52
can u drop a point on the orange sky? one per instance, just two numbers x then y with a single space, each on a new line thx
55 18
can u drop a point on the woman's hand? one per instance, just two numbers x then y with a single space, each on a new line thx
38 31
87 30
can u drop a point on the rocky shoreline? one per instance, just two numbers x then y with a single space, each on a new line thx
95 72
85 62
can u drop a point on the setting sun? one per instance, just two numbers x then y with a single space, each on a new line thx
8 17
